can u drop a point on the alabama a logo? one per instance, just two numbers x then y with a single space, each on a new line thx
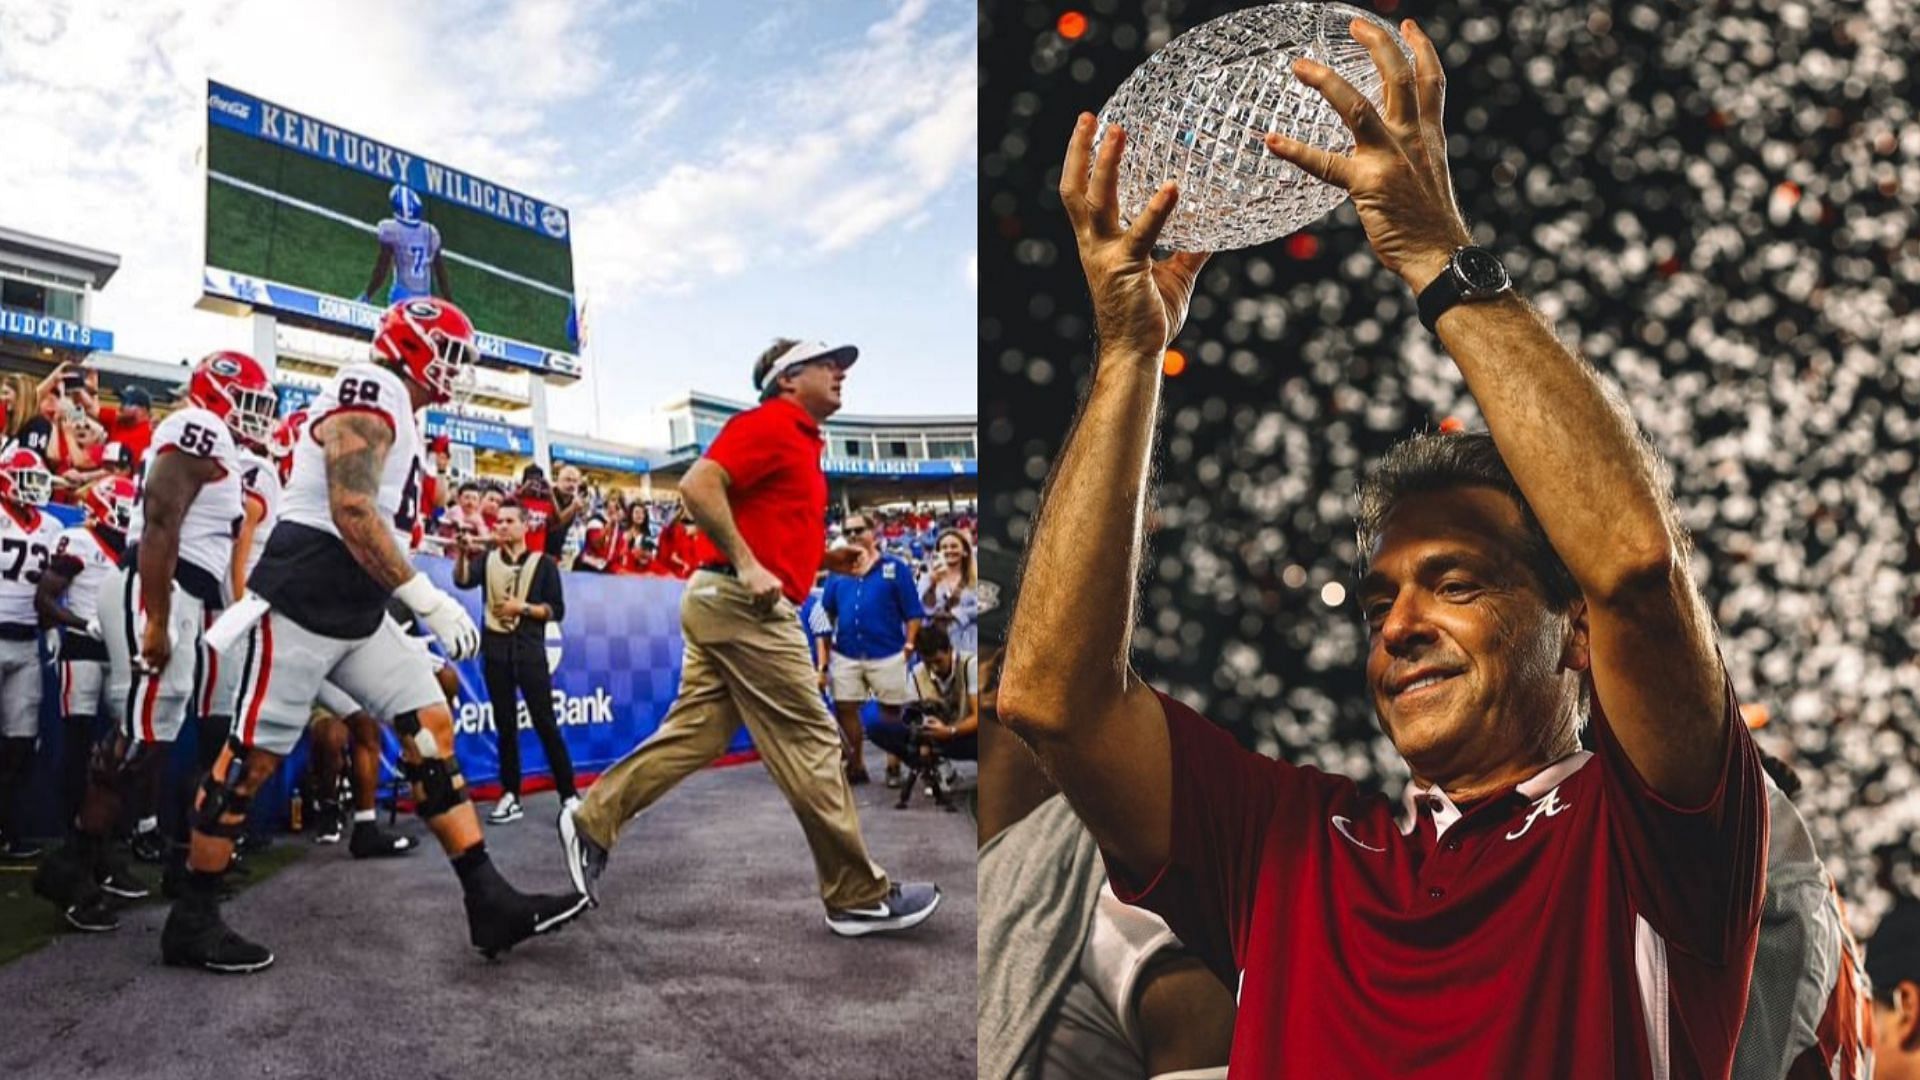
1548 805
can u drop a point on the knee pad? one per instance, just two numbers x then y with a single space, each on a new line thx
440 783
442 788
220 797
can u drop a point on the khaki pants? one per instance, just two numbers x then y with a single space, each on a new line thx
746 664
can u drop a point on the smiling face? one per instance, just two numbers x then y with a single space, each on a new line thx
1472 674
954 550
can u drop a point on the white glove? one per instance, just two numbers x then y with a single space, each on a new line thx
442 614
93 629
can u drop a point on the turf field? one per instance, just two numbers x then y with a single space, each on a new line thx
708 957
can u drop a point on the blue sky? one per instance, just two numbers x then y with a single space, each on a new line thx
735 170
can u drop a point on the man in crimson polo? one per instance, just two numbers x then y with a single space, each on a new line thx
760 496
1526 908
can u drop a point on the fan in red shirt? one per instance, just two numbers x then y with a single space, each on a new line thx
1526 908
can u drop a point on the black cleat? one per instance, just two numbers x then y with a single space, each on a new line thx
116 877
586 860
17 849
149 847
196 936
370 841
328 824
91 916
500 916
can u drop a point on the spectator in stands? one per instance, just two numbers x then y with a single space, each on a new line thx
571 504
1893 965
435 487
464 515
16 403
876 615
522 595
605 547
948 591
116 459
490 499
131 423
535 496
639 560
37 432
74 455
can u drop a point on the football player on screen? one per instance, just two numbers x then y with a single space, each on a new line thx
410 248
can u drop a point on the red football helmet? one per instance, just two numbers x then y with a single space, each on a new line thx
431 339
109 501
234 387
284 436
24 479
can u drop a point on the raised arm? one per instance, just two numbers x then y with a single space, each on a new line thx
1068 689
1574 451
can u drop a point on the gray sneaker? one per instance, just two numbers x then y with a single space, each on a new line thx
586 860
506 811
903 908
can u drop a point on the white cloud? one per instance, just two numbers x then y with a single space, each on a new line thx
859 142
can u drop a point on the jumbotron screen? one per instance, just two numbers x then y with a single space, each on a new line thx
310 220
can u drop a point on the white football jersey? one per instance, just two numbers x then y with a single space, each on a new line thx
27 539
363 388
96 560
260 480
213 519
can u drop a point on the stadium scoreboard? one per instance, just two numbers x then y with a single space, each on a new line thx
327 227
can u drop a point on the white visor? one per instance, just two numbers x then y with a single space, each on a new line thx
805 353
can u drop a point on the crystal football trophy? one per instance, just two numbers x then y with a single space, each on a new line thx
1197 113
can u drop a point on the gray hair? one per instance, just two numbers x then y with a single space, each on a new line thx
1432 461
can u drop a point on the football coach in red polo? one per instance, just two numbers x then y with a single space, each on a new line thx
1527 909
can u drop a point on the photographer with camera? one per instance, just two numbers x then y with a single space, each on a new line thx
944 719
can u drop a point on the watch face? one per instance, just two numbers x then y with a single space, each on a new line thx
1480 270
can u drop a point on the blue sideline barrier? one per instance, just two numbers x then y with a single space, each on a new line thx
617 666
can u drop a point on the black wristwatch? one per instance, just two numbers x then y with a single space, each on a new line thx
1472 274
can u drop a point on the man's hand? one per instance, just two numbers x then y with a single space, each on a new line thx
156 645
1138 304
1397 173
845 560
937 730
762 584
510 608
442 614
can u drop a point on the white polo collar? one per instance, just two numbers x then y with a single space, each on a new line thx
1445 812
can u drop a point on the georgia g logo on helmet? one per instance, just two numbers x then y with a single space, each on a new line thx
223 365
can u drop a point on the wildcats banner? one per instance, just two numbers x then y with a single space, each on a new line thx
240 111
